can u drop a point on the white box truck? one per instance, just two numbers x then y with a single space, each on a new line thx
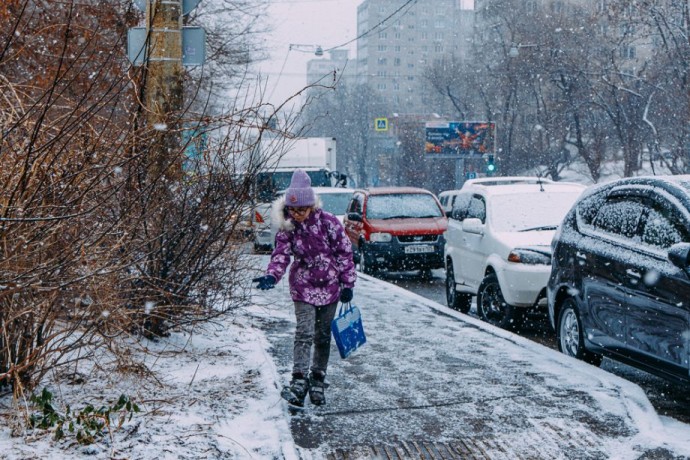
315 155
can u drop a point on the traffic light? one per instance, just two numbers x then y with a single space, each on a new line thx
490 165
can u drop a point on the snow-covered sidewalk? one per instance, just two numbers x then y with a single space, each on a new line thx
432 375
427 374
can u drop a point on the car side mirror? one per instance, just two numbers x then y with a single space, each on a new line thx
679 255
457 214
473 225
354 216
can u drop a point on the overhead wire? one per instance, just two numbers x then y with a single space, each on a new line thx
377 25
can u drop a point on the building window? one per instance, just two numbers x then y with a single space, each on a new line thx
410 66
438 48
397 35
383 61
381 86
397 48
424 35
410 77
382 48
381 73
424 23
531 6
439 24
383 35
396 62
438 36
396 86
628 52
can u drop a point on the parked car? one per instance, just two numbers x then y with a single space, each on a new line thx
447 198
498 246
619 282
396 228
332 199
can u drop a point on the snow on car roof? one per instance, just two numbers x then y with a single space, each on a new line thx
320 190
520 188
491 181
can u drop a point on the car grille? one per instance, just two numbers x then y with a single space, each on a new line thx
417 238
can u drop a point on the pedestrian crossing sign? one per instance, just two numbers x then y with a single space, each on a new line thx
381 124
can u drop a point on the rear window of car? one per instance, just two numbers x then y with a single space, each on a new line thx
335 203
402 205
546 209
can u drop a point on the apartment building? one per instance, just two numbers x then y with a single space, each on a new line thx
400 40
612 21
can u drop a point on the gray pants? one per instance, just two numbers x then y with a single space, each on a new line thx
313 328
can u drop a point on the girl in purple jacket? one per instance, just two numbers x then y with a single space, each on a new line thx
322 273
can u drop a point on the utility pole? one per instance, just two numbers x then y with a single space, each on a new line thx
164 79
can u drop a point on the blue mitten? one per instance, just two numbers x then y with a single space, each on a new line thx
265 282
346 295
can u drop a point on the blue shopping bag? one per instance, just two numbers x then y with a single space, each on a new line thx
348 330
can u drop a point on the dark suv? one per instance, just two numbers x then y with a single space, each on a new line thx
396 228
619 283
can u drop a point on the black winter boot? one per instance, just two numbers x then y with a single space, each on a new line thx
295 393
317 388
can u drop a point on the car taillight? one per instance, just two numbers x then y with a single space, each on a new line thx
258 218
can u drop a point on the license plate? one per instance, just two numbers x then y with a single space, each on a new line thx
419 249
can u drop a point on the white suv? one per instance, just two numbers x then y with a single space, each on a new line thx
498 245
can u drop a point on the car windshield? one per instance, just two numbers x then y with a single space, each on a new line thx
545 211
402 205
269 183
335 203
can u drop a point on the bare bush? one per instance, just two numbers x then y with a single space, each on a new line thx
97 243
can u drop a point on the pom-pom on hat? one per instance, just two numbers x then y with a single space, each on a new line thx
300 192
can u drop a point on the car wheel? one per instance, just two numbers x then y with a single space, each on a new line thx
492 307
456 300
570 335
366 265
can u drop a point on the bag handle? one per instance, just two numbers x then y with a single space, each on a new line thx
346 305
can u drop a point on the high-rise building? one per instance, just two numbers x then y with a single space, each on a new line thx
398 41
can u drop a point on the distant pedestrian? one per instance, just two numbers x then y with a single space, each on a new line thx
322 273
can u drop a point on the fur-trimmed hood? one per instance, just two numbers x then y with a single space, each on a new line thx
279 215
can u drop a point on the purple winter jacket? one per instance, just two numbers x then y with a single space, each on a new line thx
322 252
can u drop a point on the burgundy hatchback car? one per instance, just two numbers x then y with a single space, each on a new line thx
396 228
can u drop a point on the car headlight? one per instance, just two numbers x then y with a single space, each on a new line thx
529 257
380 237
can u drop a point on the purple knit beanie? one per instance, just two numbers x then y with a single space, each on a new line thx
300 192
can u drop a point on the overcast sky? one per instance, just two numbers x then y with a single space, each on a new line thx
327 23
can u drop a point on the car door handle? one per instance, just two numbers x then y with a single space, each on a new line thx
633 274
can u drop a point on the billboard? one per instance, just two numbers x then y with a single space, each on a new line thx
460 139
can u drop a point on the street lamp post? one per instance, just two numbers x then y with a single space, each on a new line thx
316 49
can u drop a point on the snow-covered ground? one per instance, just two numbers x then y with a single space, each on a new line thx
426 373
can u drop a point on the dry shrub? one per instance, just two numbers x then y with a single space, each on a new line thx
99 244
